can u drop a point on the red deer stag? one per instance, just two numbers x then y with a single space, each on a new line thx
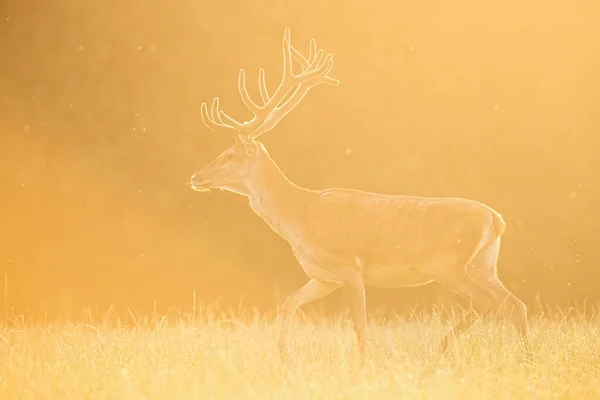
352 238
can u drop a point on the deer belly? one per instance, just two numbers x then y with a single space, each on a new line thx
322 270
394 276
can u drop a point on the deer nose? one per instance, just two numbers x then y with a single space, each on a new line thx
195 177
198 182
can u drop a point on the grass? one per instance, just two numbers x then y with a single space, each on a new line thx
215 356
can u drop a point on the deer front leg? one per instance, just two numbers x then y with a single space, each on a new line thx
313 290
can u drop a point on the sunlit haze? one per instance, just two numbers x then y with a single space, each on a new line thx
101 131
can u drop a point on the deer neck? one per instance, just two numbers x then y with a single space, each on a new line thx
278 201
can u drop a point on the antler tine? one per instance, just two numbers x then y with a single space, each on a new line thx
248 102
218 116
287 56
262 86
213 121
312 52
205 117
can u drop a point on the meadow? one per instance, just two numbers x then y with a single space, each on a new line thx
209 354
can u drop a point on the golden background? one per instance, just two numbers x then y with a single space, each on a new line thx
100 130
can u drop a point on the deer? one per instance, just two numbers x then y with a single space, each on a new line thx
351 238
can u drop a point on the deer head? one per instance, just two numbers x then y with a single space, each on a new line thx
233 169
238 166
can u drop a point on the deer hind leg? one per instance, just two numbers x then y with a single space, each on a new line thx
461 283
509 307
483 270
507 304
311 291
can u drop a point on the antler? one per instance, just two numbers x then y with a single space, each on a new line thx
314 72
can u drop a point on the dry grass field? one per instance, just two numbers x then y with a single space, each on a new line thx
217 356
